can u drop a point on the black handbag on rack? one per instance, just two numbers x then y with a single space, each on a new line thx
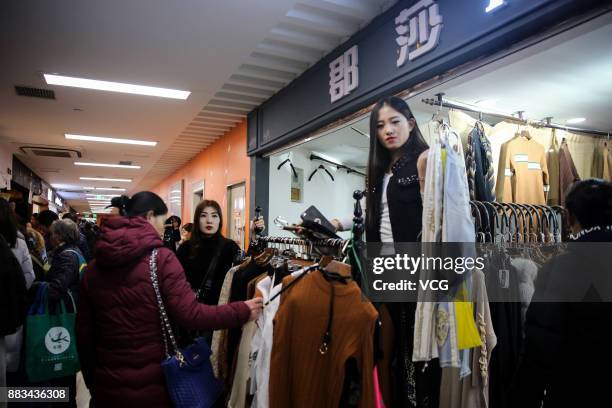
190 380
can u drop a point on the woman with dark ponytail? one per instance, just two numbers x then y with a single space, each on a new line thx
119 335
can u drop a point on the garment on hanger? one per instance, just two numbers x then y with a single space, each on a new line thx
218 345
242 376
472 391
425 346
243 279
507 325
479 165
601 166
554 177
522 176
446 218
457 226
261 345
305 373
568 174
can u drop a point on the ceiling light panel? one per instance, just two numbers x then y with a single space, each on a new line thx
115 87
104 188
110 140
119 166
106 179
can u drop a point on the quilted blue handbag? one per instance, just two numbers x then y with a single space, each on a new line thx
190 380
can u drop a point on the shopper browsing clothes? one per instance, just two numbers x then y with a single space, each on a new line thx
16 275
186 231
118 321
172 233
208 255
45 219
62 283
564 350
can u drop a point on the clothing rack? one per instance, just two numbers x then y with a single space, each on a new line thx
517 223
439 101
331 242
357 245
337 165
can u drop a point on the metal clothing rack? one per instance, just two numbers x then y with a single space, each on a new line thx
331 242
439 101
517 223
339 166
356 252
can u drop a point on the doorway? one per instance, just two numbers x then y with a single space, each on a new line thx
236 203
197 194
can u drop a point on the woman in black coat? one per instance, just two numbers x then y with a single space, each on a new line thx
208 255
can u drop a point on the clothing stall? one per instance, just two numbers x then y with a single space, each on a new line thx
496 177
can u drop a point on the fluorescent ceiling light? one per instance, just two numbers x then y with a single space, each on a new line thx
175 191
494 4
101 195
115 86
120 166
575 120
104 188
110 140
106 179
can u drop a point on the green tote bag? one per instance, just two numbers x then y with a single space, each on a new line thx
50 340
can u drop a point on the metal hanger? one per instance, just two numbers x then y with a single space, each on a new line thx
317 169
288 160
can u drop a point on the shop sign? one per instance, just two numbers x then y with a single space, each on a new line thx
418 29
413 41
344 74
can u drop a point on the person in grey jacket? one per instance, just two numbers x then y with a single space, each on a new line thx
63 278
64 272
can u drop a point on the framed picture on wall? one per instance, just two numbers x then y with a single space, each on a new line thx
175 199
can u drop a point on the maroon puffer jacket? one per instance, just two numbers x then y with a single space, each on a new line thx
118 327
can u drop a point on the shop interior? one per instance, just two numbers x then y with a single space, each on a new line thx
557 86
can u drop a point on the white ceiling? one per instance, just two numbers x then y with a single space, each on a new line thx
231 54
565 77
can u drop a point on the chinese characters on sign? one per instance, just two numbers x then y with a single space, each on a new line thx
343 74
418 29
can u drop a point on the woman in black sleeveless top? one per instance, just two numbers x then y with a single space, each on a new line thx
396 170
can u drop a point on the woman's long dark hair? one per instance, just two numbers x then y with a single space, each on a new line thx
379 160
197 234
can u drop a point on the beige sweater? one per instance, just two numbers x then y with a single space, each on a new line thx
522 176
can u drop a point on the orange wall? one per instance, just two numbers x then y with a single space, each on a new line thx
221 164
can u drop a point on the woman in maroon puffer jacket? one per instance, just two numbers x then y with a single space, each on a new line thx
118 327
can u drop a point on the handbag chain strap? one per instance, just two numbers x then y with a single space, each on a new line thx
165 323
